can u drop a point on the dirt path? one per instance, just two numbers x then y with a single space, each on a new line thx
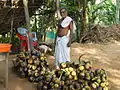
103 56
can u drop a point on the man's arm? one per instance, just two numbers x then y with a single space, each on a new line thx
71 34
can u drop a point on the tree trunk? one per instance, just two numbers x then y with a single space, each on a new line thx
84 16
83 29
25 2
117 11
58 8
78 21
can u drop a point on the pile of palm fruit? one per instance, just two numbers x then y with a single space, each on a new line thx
73 76
70 76
30 67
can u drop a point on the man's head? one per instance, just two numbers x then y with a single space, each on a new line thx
63 12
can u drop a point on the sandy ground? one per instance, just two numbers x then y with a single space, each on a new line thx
103 56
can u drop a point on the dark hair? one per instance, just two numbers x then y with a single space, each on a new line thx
63 9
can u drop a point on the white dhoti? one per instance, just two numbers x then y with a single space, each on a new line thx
62 52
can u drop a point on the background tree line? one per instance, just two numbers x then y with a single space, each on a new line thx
85 13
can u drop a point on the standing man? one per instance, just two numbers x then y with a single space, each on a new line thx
63 38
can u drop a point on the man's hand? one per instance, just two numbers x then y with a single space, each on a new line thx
69 44
70 36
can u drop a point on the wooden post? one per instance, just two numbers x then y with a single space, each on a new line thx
11 31
6 71
25 2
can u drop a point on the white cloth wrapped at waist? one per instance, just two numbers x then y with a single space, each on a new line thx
62 52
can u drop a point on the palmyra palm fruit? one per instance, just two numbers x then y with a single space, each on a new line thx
102 84
29 66
56 85
88 66
82 74
99 80
75 78
34 67
94 85
67 73
106 83
88 77
105 88
36 71
66 69
45 58
81 67
73 73
70 69
45 87
57 80
29 72
103 79
70 77
76 85
31 78
36 74
36 62
30 61
42 58
63 65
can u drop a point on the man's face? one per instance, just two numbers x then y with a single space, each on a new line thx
63 13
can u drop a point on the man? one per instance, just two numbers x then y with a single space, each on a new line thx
63 38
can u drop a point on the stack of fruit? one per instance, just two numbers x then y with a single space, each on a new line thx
20 65
48 81
31 66
36 66
73 76
70 76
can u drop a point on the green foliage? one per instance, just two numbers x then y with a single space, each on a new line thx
102 13
45 19
4 40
